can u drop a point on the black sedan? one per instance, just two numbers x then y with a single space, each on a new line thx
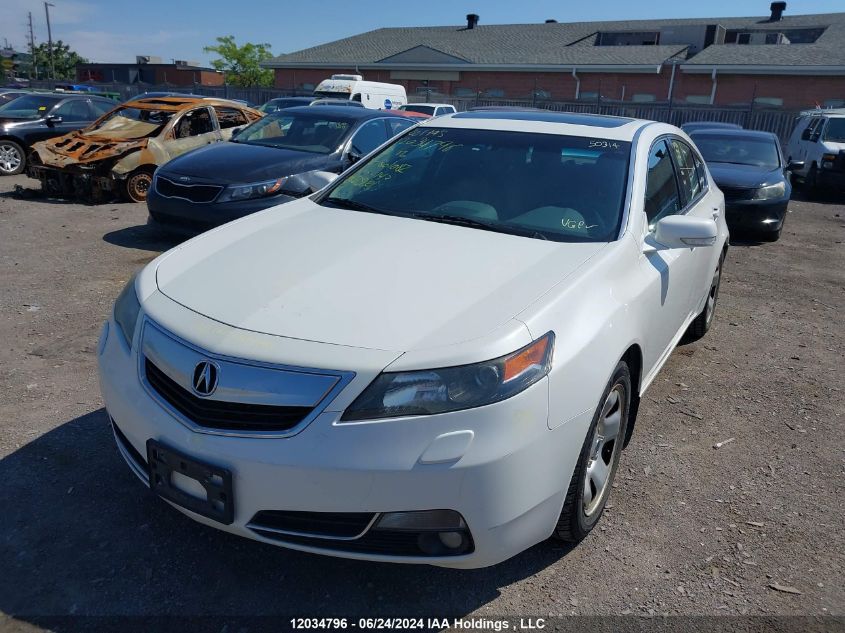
37 116
749 168
285 155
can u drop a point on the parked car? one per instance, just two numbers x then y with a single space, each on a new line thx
280 103
818 141
119 152
37 116
337 102
694 126
423 362
431 109
287 154
749 168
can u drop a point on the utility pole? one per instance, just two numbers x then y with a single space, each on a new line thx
33 69
47 6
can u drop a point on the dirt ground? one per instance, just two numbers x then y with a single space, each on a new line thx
753 527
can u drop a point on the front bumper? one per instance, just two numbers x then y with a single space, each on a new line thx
759 216
508 482
85 184
185 216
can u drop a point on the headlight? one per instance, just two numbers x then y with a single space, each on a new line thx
828 161
126 311
255 190
772 191
396 394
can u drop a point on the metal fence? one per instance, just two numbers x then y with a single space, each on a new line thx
774 120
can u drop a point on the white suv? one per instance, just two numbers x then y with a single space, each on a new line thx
818 141
436 359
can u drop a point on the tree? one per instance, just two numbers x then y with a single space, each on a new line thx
64 60
242 63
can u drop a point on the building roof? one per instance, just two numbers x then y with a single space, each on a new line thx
564 44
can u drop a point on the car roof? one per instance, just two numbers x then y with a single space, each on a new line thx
543 121
713 124
179 103
722 132
432 105
344 112
302 99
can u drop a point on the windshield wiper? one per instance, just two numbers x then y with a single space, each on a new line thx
460 220
354 205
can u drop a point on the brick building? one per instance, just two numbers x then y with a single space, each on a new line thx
150 70
777 60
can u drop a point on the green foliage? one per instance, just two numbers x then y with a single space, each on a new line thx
242 63
64 60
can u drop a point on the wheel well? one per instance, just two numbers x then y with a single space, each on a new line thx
633 357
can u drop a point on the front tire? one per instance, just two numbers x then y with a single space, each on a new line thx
137 184
12 158
592 480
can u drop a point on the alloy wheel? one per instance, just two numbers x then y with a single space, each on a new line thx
10 158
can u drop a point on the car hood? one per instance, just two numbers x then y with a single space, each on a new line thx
365 280
82 147
743 176
230 163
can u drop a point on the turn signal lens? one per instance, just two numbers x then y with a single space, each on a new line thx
532 356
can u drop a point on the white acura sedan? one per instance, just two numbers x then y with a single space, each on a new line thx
436 359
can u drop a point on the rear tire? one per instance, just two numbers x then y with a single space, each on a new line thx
592 480
701 324
137 184
12 158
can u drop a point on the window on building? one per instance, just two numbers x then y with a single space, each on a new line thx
775 102
495 93
704 99
661 196
643 97
743 38
588 96
834 103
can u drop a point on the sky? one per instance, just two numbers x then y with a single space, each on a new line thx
118 30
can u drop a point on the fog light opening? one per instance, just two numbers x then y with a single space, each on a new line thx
452 540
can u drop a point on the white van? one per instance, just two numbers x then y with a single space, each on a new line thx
818 141
372 94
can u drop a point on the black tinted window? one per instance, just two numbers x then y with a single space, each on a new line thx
101 107
687 175
369 136
661 196
76 110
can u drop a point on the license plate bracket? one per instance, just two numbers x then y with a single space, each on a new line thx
164 461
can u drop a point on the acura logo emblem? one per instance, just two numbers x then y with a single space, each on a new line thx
205 378
185 178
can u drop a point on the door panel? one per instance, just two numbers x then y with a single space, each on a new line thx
193 129
668 271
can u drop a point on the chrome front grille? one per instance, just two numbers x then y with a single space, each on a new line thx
192 193
249 398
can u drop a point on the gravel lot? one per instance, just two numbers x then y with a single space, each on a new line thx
690 529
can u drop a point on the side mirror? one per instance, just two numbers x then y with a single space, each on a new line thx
52 119
684 231
236 131
354 155
795 165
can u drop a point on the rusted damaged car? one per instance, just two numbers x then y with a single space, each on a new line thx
118 153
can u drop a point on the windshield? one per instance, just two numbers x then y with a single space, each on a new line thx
544 186
132 123
739 150
332 95
835 131
302 132
32 106
422 109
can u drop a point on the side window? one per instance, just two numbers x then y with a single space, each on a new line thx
75 110
397 125
229 117
701 171
194 123
810 130
369 136
357 97
687 174
101 107
661 195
